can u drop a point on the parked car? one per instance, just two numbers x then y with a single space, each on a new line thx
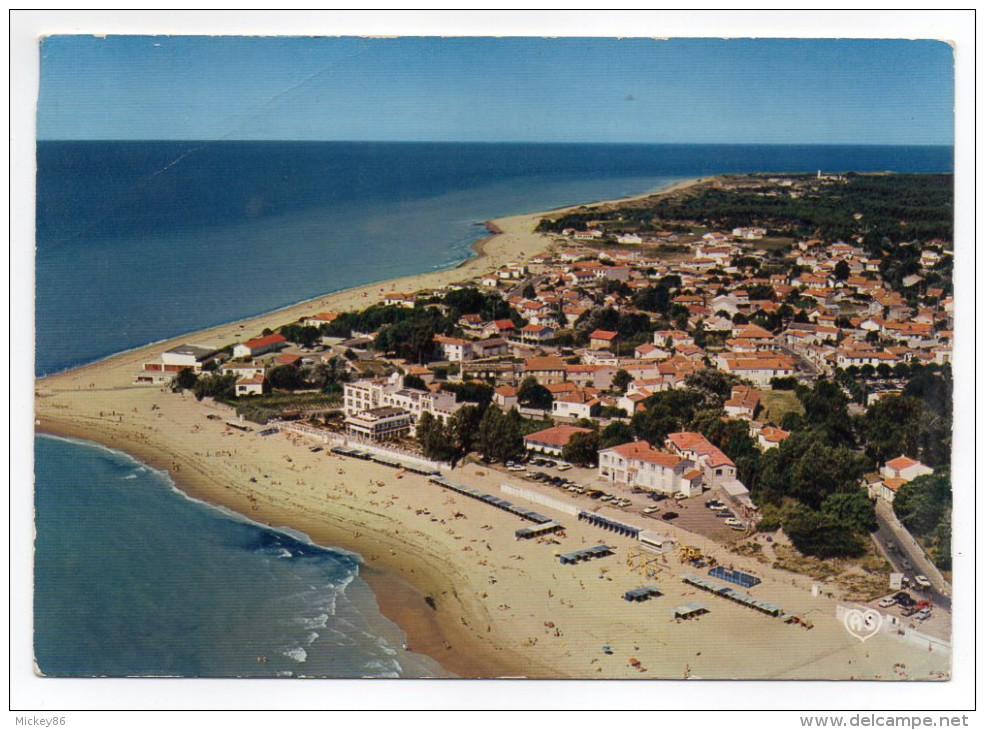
606 498
904 599
670 516
909 610
681 495
637 490
515 467
650 510
887 602
595 493
732 522
922 582
657 496
539 462
563 467
922 615
549 463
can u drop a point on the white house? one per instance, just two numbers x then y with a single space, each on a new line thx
769 437
454 349
260 345
242 369
551 441
638 464
717 467
743 402
250 385
579 404
759 368
903 467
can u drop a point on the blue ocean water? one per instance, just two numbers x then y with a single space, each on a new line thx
139 241
134 578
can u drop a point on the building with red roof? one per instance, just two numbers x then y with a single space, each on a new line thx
770 437
903 467
717 467
551 440
601 339
638 464
260 345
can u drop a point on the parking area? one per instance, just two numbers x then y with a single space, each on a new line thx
915 609
588 490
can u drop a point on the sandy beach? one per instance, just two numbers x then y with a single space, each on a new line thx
498 607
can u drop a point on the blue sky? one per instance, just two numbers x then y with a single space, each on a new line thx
494 90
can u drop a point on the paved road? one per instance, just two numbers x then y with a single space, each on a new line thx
534 280
891 531
802 361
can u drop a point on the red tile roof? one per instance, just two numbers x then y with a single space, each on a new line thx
555 435
690 441
642 451
901 462
264 341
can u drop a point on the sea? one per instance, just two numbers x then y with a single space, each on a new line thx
141 241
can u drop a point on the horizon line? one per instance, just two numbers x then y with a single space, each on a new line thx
492 142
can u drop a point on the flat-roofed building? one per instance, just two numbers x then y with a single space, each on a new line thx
187 356
380 424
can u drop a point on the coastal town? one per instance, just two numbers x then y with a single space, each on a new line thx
745 424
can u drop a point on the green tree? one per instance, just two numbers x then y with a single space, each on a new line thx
842 270
285 377
852 508
582 448
463 429
303 335
614 434
215 386
434 439
921 503
891 426
821 535
415 382
500 436
184 380
326 374
621 380
534 395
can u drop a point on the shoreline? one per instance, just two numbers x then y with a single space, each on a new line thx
395 595
407 557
